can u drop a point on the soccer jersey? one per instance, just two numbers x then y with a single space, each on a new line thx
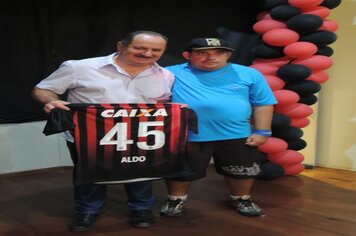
125 141
223 99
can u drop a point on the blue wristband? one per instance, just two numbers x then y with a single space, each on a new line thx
263 132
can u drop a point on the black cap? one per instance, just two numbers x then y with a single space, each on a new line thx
208 43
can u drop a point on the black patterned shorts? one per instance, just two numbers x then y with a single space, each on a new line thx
232 158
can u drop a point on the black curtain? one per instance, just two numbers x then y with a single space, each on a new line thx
38 35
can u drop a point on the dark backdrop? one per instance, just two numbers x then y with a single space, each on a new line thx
38 35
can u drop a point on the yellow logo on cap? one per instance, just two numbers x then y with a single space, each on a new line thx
213 42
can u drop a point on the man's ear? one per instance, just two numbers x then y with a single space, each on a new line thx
186 55
119 46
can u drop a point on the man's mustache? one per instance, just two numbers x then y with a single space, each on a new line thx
143 56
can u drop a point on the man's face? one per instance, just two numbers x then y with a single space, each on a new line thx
143 50
208 59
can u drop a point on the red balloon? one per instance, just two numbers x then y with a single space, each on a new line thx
305 3
280 37
300 122
263 26
293 169
297 110
300 50
275 82
272 62
273 145
319 77
286 97
265 68
316 62
321 11
330 25
263 16
286 158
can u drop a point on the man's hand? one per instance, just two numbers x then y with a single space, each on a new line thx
256 140
55 104
50 99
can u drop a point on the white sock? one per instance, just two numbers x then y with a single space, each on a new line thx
172 197
243 197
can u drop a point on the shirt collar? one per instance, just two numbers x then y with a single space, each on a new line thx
108 60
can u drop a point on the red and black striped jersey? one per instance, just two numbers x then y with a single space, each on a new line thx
126 141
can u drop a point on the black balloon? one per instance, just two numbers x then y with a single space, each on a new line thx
294 72
305 23
269 4
264 158
320 37
284 12
297 145
266 51
280 121
308 99
288 134
325 51
271 171
330 3
303 87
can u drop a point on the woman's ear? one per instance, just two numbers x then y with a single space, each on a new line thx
186 55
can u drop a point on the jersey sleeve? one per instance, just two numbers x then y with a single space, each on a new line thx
58 121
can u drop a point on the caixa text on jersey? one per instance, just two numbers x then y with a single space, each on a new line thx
133 112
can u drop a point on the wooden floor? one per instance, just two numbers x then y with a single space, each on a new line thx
319 202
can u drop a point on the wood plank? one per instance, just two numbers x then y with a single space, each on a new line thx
306 204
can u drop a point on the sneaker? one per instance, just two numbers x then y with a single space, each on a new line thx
173 208
246 207
142 218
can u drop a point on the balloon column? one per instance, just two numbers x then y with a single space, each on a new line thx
293 55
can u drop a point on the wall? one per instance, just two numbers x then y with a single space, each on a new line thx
336 137
24 147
